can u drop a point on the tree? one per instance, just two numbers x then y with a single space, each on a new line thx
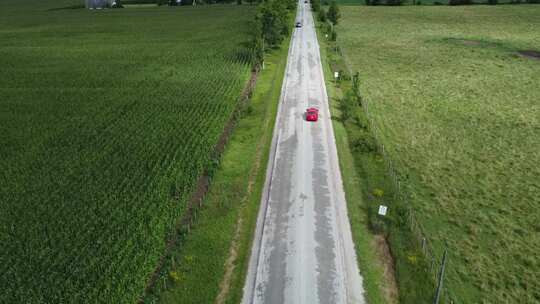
333 12
257 45
117 4
322 15
356 83
459 2
273 19
348 105
291 5
270 27
315 5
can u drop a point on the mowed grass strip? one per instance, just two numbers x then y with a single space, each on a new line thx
107 120
459 113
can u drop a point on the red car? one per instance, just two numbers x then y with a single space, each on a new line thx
312 114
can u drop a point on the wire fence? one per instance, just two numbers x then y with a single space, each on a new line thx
420 238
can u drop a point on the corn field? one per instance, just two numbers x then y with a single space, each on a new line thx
107 121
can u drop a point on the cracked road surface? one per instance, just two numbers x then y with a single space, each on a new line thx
303 250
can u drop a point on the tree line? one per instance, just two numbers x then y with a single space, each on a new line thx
329 17
272 24
332 14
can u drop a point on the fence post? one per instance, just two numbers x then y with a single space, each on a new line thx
441 278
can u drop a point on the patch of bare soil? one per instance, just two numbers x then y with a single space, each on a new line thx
390 288
530 54
225 284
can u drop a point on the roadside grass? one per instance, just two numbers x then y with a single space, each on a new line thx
458 112
396 270
197 265
371 267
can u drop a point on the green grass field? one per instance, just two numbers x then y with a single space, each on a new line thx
459 114
420 2
107 119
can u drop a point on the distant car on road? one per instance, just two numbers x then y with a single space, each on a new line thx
312 114
298 24
305 1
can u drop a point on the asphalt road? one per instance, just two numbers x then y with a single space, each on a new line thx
303 250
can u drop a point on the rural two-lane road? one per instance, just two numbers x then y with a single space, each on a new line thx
303 250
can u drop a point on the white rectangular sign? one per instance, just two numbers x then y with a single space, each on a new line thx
382 210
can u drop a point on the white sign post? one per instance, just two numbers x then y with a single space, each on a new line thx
382 210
